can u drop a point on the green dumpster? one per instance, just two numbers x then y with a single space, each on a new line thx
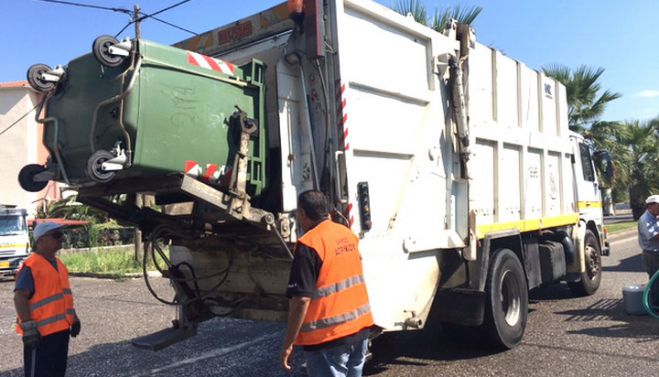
153 110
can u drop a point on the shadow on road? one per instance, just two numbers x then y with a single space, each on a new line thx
431 344
629 264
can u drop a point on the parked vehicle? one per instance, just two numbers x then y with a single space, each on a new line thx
451 161
14 239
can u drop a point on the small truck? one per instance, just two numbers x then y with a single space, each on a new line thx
14 239
451 161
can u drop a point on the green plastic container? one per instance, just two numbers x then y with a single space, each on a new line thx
168 109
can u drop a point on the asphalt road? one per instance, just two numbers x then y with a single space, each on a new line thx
566 336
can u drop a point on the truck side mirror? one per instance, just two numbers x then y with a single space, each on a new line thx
604 164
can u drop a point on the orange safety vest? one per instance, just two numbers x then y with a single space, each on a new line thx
51 305
339 305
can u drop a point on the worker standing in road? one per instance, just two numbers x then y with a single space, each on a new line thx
329 312
648 238
44 306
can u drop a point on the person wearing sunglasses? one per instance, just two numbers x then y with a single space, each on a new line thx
44 305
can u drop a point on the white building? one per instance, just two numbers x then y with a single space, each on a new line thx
21 144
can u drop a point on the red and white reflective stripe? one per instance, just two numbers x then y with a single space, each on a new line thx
342 120
212 172
203 61
349 215
192 168
342 114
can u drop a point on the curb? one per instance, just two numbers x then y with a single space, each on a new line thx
137 275
622 235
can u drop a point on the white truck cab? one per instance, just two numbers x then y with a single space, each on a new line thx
14 239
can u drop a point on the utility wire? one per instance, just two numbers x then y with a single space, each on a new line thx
124 28
120 10
164 9
174 26
152 15
129 12
19 119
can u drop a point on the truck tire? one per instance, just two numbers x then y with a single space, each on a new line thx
507 300
591 278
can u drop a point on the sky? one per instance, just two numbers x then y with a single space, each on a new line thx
613 34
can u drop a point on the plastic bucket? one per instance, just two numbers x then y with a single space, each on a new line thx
633 298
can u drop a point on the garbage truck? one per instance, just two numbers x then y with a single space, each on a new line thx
14 239
451 161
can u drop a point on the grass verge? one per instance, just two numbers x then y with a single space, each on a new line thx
621 227
112 262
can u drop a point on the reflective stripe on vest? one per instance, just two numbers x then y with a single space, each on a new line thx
339 305
340 286
339 319
46 301
51 305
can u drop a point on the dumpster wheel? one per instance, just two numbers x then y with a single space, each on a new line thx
95 166
101 51
26 178
35 79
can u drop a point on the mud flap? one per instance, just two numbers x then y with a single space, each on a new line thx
460 306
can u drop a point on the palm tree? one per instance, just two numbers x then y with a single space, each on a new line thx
634 146
584 103
440 19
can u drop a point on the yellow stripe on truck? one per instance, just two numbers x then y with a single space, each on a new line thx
528 225
13 246
589 205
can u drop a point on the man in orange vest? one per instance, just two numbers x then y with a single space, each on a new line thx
44 306
329 312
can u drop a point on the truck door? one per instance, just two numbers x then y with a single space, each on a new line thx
589 200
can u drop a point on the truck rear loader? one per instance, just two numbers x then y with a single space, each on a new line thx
452 162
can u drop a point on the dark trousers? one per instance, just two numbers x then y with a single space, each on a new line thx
652 266
49 357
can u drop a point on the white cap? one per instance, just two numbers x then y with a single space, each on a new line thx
652 199
46 227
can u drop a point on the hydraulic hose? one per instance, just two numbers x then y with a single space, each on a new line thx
647 305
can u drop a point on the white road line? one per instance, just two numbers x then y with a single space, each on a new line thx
215 353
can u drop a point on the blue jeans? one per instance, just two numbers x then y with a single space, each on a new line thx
346 360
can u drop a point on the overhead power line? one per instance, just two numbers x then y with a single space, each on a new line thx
18 120
120 10
165 9
129 12
174 26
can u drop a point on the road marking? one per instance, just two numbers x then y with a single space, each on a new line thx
208 355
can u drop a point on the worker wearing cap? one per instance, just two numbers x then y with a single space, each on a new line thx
44 305
648 238
329 312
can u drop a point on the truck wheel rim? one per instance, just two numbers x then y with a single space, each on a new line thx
592 260
510 298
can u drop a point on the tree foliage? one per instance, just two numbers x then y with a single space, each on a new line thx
586 101
440 18
634 146
70 209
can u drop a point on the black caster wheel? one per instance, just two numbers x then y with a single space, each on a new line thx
101 51
34 78
95 169
26 178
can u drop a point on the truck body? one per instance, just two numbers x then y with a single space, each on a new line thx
14 239
452 162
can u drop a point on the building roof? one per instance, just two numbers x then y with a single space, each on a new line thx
14 84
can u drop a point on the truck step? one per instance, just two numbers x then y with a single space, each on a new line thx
163 338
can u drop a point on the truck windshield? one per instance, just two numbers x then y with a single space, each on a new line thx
11 225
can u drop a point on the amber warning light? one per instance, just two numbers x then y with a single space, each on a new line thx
296 11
